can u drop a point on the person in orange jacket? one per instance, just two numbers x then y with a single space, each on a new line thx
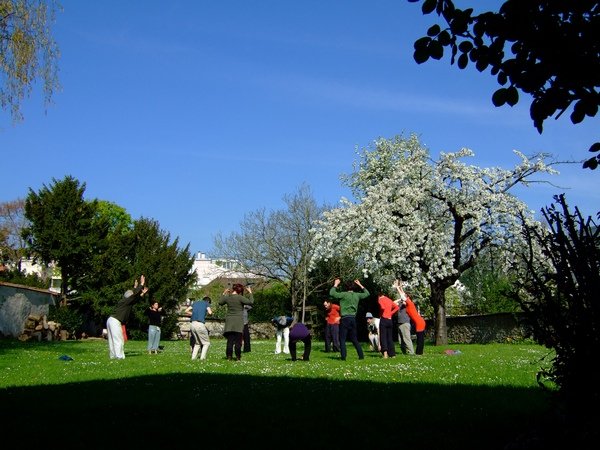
414 315
332 326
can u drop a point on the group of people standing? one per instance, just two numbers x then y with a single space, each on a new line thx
340 326
340 321
239 300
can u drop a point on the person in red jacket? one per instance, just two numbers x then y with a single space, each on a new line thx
387 309
332 326
414 315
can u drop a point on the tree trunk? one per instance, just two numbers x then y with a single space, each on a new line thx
295 305
438 301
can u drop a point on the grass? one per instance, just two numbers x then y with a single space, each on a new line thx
483 397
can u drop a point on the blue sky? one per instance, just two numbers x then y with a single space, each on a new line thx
194 113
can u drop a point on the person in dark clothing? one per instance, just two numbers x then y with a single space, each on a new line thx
246 332
300 333
349 300
154 314
120 316
234 319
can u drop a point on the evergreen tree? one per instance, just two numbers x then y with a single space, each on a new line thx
62 229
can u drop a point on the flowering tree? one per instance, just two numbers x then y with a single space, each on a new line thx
425 221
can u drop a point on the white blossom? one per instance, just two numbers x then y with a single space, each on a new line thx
423 218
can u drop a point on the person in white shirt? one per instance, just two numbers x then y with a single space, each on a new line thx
373 327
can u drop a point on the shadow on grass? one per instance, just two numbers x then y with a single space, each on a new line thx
235 411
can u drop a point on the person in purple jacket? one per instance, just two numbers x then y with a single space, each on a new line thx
299 332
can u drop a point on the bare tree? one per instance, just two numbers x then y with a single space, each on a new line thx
12 223
277 245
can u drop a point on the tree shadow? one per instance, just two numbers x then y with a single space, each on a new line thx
228 411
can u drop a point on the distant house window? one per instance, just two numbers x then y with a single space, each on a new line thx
228 265
55 284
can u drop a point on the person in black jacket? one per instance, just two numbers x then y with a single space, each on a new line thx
120 316
154 314
246 332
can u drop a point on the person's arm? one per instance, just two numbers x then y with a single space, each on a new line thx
395 307
365 293
249 300
209 311
333 292
398 285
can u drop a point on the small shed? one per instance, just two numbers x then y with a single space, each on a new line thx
18 303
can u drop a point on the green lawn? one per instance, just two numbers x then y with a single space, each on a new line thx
483 397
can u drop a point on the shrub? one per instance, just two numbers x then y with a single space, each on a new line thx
560 297
69 318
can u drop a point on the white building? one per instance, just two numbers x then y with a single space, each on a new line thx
209 269
51 271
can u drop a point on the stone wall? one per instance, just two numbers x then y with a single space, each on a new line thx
483 329
480 329
215 329
17 303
